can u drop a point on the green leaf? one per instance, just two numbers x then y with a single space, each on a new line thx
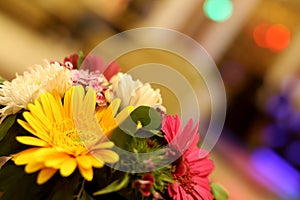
6 177
157 133
64 188
16 184
80 59
6 124
149 117
166 178
2 80
86 196
219 192
120 138
114 186
9 145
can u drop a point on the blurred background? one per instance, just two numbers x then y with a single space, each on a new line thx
255 44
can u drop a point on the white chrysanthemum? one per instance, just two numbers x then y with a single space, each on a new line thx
24 89
135 93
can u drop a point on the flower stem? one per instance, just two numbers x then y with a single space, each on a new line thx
78 196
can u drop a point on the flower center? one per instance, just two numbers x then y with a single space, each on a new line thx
183 177
65 137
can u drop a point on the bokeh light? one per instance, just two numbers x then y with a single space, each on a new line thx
218 10
292 152
277 37
284 178
232 72
259 34
274 37
274 136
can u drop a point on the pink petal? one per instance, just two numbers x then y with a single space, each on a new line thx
111 70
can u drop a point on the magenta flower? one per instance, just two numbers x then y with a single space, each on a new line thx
192 170
179 139
145 184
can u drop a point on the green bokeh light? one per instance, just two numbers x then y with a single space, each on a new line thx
218 10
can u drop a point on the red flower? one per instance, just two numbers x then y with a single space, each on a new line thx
72 59
145 184
192 170
96 64
111 70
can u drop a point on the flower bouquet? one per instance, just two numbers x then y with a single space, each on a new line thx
79 129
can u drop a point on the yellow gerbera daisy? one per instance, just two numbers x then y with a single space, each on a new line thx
68 135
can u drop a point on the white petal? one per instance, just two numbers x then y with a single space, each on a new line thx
26 88
135 93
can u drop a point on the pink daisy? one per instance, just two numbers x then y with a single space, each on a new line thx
192 170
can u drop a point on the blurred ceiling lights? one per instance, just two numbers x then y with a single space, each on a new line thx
218 10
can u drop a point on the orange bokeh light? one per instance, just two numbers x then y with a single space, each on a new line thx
278 37
259 34
274 37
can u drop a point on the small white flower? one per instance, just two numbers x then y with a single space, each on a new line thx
135 93
24 89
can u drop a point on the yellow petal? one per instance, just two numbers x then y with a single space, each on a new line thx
114 106
26 126
67 111
108 123
100 112
108 118
32 141
45 174
56 160
87 173
103 145
68 167
107 156
47 107
39 131
25 156
43 153
84 161
33 122
37 111
124 114
77 99
96 162
89 102
57 98
33 167
56 107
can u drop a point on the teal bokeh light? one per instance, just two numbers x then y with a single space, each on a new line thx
218 10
